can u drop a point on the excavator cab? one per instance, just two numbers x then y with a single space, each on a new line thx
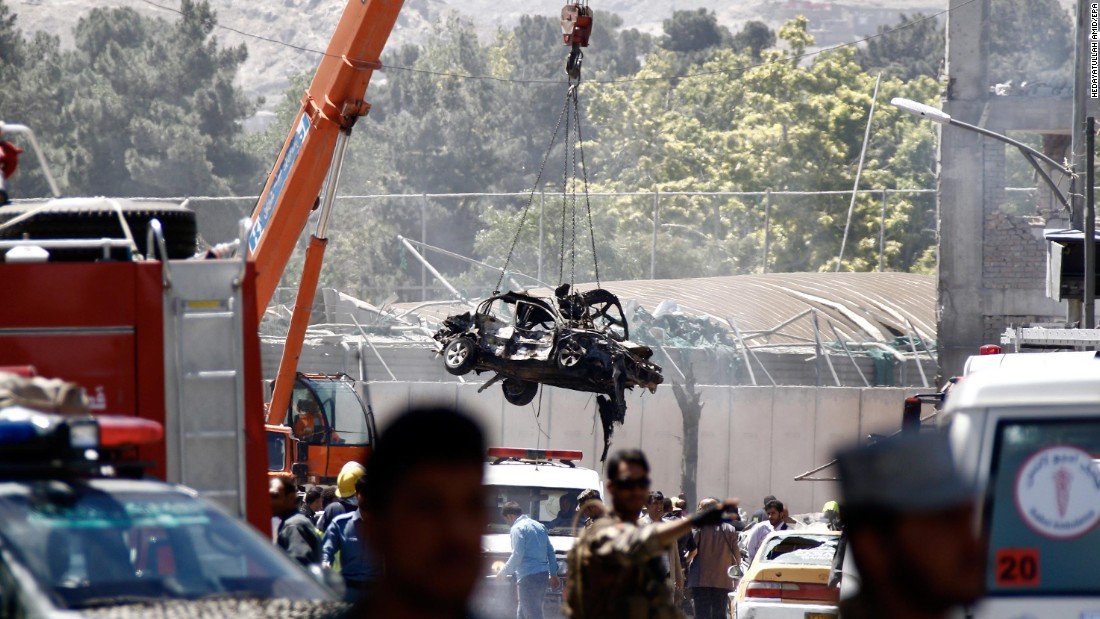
327 414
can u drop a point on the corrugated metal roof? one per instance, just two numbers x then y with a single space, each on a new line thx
861 306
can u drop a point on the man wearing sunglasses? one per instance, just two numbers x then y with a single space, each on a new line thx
615 568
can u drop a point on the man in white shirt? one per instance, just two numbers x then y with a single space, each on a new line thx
774 510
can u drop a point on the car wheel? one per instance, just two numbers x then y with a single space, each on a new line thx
519 392
459 355
570 355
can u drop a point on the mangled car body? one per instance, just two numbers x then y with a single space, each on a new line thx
576 341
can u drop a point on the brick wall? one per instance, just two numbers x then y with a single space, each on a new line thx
1014 259
1014 253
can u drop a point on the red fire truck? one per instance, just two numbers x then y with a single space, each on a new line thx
107 293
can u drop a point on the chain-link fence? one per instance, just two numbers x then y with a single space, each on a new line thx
427 246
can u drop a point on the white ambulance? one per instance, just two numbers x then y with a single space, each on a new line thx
542 482
1026 429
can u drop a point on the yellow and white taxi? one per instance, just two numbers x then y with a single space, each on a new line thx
789 578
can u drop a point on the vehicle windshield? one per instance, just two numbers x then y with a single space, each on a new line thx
88 548
1043 508
542 504
343 413
801 549
345 408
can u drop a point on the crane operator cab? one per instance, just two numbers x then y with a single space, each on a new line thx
332 423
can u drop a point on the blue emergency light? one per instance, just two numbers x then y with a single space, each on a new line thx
32 440
28 437
16 432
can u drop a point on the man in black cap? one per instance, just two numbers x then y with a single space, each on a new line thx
909 519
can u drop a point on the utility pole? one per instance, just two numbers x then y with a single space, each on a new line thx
1080 88
1088 320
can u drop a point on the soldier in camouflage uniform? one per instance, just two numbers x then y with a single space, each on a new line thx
615 569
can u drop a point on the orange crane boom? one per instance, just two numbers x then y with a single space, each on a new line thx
312 153
331 105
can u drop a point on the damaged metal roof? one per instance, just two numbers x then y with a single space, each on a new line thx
863 307
875 314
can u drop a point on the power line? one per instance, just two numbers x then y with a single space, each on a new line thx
491 78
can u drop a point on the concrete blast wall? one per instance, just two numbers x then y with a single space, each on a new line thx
753 441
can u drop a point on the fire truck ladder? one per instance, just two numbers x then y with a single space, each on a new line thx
204 363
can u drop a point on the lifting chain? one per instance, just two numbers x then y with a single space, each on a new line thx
576 25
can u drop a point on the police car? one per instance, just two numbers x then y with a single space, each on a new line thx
541 481
79 539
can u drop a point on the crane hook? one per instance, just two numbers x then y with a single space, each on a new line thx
576 27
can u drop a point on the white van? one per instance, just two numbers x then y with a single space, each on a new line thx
537 480
1026 429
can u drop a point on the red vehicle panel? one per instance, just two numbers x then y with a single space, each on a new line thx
114 348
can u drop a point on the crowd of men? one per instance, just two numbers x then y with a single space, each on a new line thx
421 512
319 525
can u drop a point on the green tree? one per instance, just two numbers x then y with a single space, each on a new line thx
33 90
747 126
754 37
1030 40
906 50
429 133
740 124
693 31
11 46
141 106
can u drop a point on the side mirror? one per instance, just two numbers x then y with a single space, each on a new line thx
734 571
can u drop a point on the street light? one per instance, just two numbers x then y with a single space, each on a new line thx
1029 153
1033 157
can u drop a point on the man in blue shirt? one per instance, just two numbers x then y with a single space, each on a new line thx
345 536
532 561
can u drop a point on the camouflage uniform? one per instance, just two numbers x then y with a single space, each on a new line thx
615 572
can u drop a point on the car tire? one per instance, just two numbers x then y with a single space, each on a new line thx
570 355
459 356
96 219
519 392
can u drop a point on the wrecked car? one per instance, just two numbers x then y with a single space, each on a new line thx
576 341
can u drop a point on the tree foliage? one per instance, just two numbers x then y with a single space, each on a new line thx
141 107
754 37
699 110
693 31
1030 40
906 50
